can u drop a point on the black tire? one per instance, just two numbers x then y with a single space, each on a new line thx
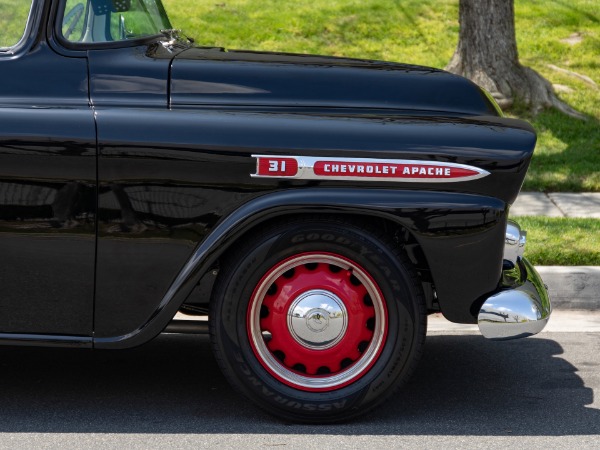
271 356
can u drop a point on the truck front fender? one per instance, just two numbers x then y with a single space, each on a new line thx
446 225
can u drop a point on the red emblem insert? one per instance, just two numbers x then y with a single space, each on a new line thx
388 170
277 167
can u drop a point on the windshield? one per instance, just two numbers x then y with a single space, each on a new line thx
100 21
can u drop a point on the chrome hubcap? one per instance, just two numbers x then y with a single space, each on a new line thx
317 319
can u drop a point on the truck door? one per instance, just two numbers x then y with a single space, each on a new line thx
47 186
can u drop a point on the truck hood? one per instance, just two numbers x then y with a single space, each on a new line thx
215 76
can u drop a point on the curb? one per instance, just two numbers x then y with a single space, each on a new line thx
572 287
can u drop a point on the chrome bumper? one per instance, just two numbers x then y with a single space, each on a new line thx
514 242
522 307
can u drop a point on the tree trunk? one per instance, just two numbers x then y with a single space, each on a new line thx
487 54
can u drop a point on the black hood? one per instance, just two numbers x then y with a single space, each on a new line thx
215 76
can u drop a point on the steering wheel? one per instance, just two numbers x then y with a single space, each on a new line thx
72 17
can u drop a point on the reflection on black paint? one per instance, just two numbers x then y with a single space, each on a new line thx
47 195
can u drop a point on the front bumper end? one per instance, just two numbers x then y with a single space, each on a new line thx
522 306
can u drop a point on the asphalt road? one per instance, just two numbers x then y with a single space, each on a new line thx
468 393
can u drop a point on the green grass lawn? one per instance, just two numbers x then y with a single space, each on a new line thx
561 241
13 17
426 32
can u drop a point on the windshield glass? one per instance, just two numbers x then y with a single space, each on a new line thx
98 21
13 20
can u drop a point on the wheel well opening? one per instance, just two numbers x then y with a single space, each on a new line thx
199 300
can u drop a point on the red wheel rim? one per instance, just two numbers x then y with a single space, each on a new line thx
317 321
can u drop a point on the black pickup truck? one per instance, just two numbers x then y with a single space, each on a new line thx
307 212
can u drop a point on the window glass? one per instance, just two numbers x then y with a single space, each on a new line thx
13 21
112 20
73 20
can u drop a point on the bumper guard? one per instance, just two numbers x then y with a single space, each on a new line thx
522 308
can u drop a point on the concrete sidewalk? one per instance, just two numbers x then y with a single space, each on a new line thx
557 204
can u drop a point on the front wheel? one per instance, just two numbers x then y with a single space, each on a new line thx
317 320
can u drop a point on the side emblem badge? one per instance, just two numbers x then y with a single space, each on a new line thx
363 169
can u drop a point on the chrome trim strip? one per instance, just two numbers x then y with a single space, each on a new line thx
371 169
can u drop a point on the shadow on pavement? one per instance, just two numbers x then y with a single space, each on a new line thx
465 385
